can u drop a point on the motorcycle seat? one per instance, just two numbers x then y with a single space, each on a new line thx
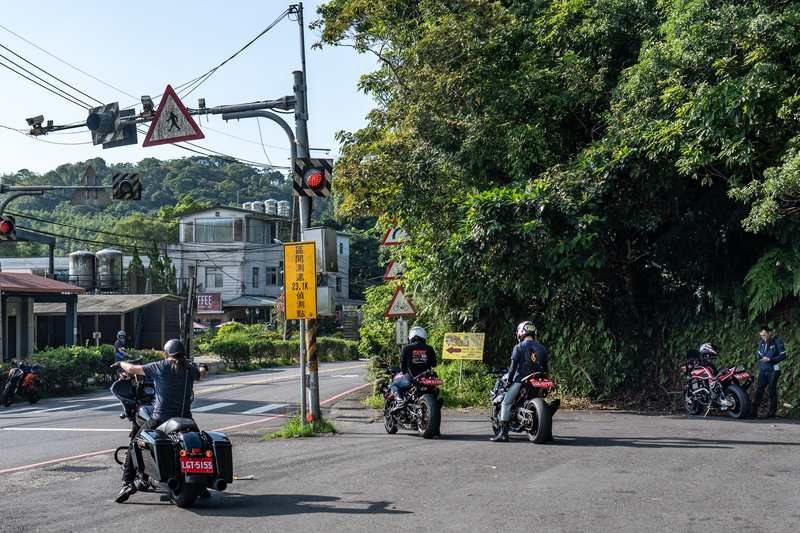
178 424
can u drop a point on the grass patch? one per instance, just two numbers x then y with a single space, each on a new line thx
293 428
376 402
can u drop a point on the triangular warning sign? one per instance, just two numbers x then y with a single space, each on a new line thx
400 306
395 271
394 236
84 196
172 122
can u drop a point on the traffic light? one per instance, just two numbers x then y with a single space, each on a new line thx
8 228
105 123
312 177
127 186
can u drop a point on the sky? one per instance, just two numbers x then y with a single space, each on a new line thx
119 51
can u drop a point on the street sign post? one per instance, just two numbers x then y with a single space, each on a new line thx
401 332
300 280
172 122
394 237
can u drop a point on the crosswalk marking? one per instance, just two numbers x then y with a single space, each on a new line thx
264 408
211 407
115 404
51 409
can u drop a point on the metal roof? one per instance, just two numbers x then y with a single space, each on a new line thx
105 304
13 282
250 301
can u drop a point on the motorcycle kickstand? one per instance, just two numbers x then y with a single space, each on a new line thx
708 410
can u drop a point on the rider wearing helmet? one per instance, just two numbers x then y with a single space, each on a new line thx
415 358
119 350
527 351
174 378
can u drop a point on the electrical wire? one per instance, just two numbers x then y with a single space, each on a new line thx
67 98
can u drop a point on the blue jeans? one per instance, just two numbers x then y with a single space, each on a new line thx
508 401
401 384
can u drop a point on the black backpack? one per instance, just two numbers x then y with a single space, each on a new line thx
531 364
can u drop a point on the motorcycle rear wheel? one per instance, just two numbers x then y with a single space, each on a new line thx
185 495
430 417
388 421
8 395
741 401
542 422
692 406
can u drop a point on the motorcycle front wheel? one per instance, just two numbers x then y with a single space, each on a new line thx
185 495
429 417
542 422
388 420
740 399
34 395
691 405
8 395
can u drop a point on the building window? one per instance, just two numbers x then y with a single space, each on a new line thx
213 277
272 276
341 248
255 277
255 230
338 284
213 229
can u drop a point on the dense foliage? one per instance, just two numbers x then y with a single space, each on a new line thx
624 172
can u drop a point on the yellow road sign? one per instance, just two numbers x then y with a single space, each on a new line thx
463 346
300 280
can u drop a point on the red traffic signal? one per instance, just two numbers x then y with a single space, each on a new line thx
315 179
8 229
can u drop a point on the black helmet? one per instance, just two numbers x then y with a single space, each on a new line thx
175 347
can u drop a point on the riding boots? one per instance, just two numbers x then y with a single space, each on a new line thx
503 435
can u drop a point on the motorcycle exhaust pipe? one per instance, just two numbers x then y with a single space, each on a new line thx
218 484
173 483
156 483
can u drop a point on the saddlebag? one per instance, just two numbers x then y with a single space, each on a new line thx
222 455
155 454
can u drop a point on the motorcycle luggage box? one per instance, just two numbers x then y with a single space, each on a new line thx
223 455
157 454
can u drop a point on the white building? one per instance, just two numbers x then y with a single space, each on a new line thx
233 255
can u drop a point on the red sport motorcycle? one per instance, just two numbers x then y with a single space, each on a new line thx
24 382
707 387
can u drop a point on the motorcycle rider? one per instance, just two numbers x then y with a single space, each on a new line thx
415 358
119 351
526 351
770 353
174 378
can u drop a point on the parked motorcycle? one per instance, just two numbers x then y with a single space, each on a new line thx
176 456
530 413
706 386
24 382
422 411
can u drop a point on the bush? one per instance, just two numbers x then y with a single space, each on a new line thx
474 388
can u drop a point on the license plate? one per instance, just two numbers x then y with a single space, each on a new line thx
197 466
543 383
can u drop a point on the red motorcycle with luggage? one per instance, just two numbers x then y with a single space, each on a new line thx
714 389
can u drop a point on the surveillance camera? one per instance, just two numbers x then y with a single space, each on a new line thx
34 121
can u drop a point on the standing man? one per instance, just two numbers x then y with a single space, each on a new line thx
770 353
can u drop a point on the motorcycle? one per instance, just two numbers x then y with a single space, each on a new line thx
706 386
422 411
177 456
23 382
530 413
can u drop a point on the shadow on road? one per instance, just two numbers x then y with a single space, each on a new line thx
659 442
246 505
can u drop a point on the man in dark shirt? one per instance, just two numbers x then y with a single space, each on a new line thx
119 351
174 378
770 353
415 358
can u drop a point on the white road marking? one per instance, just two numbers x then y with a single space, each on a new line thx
116 404
211 407
61 429
265 408
52 409
345 376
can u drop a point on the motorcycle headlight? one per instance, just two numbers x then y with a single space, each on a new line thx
739 368
149 390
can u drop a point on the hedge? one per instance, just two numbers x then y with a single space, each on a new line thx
238 349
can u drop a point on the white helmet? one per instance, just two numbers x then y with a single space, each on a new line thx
417 331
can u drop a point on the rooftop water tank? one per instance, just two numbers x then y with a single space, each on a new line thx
283 209
81 269
248 206
271 207
258 206
109 269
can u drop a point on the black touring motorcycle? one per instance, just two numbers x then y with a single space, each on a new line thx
176 456
422 411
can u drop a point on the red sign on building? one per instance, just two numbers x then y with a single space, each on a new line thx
209 301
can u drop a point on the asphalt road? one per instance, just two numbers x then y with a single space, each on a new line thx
67 427
606 471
